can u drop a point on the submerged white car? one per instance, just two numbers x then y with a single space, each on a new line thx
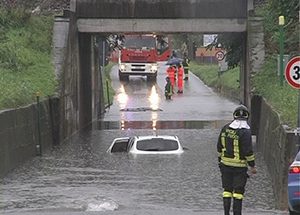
160 144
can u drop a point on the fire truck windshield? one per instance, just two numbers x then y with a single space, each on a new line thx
140 42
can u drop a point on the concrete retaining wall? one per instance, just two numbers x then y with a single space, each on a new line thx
19 133
256 43
80 79
161 9
277 145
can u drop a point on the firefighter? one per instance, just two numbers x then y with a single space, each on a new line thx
171 74
235 155
186 68
180 79
168 89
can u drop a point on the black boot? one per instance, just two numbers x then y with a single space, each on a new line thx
226 203
237 206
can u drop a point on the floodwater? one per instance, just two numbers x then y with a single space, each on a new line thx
80 177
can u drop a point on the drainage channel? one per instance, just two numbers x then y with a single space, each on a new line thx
124 125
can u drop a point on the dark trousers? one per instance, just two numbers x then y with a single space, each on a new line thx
233 181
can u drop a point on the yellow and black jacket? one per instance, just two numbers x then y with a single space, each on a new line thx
185 64
235 147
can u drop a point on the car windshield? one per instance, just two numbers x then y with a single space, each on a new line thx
157 144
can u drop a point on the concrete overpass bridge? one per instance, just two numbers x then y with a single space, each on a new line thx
74 38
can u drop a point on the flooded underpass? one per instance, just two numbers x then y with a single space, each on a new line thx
80 177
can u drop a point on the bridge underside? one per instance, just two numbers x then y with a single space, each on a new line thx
158 9
219 25
91 17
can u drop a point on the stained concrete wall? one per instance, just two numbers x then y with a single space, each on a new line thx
70 83
256 43
60 117
77 66
277 145
253 56
60 40
85 79
161 9
19 133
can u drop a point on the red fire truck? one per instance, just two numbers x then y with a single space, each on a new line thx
139 56
163 47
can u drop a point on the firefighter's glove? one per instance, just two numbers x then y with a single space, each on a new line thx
253 170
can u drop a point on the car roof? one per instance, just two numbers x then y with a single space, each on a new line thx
157 136
122 146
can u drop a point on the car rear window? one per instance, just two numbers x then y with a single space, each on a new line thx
157 144
120 146
298 157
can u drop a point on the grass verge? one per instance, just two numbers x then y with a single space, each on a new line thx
108 89
265 83
283 98
226 83
25 58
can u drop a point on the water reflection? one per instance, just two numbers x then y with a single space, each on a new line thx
122 97
154 103
156 124
154 120
122 125
154 98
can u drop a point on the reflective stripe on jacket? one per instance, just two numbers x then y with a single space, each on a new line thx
235 147
185 63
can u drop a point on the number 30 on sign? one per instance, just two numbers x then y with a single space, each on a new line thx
292 72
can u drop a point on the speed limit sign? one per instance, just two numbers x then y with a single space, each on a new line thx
292 72
220 55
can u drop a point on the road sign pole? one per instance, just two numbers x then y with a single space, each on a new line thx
292 75
281 39
298 122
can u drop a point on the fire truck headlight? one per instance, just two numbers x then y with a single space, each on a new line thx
122 67
154 67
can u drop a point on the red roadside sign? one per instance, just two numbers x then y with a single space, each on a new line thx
220 55
292 72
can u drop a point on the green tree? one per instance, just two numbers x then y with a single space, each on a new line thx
232 43
271 11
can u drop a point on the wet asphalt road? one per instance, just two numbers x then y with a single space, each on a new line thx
198 102
79 177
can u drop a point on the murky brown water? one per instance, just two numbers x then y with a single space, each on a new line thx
79 176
